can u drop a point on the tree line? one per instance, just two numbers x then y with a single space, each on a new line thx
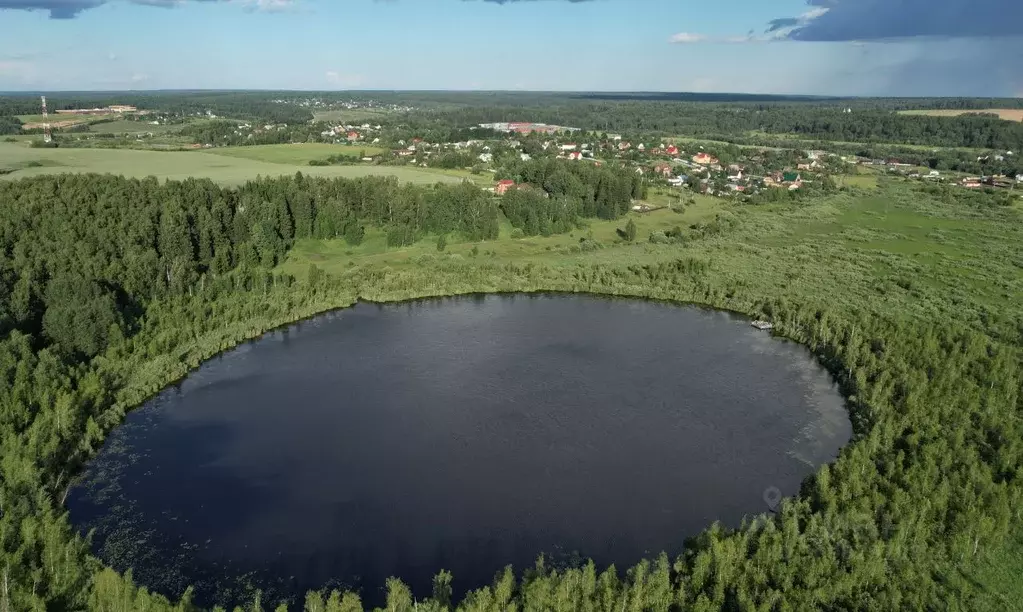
721 121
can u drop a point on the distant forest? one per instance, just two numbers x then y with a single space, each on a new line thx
712 116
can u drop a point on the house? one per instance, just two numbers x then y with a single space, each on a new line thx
735 177
353 135
790 177
486 158
1019 178
624 146
671 150
525 156
503 187
795 186
663 169
971 184
803 166
639 170
569 146
575 155
641 147
704 159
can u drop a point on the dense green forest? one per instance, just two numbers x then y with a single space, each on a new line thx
9 125
111 288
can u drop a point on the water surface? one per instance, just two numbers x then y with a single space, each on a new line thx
465 434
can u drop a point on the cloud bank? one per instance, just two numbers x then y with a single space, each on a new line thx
889 20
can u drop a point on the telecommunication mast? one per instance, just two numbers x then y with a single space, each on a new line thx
47 136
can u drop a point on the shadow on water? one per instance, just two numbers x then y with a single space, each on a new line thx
460 433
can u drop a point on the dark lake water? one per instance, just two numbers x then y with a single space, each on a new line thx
464 434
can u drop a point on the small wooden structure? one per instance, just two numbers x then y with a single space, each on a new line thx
763 325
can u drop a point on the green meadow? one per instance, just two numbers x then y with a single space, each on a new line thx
297 154
18 160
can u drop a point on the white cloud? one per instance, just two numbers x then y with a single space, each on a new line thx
685 38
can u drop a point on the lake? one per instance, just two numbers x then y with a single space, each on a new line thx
462 433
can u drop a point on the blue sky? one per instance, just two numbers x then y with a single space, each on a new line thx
854 47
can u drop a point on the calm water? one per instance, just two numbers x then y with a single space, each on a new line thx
464 434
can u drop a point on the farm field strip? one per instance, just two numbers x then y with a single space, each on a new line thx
180 165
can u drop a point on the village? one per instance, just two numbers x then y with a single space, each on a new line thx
705 167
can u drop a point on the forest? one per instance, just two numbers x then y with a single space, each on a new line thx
73 286
444 116
111 288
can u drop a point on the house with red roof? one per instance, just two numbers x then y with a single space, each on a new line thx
503 187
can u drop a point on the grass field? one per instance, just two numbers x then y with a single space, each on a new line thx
224 169
296 154
124 126
57 121
1008 114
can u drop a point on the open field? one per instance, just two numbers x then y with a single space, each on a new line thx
1008 114
124 126
60 121
296 154
180 165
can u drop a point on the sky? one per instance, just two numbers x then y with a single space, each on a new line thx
821 47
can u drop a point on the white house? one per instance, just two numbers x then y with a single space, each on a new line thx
571 146
525 156
486 157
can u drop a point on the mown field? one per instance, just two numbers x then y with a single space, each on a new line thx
298 154
1008 114
21 160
